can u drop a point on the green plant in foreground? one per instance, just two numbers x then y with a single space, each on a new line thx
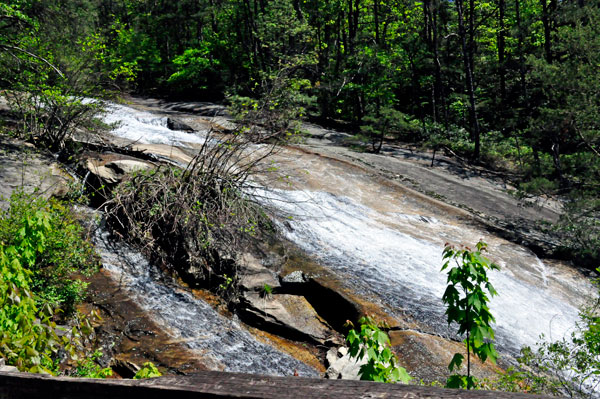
466 300
62 251
372 342
28 337
148 370
87 367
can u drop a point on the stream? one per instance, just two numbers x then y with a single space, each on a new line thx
222 341
382 242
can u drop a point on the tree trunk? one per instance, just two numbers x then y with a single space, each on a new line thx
501 49
376 22
475 134
547 31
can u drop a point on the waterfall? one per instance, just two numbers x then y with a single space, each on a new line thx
146 128
390 253
192 320
404 271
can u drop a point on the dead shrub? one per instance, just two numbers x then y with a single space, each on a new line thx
195 220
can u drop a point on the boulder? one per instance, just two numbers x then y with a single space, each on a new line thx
21 168
254 276
342 366
290 316
111 168
174 124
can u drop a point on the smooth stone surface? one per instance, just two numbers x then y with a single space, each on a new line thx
112 168
290 315
342 366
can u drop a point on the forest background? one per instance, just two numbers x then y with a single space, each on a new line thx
514 85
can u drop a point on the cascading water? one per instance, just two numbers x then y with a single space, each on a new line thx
404 271
195 322
391 255
145 127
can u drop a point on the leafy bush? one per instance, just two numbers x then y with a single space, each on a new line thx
148 370
89 368
27 337
39 249
372 342
196 69
66 253
381 122
580 226
569 366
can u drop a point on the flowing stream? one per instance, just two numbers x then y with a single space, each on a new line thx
223 342
384 244
403 271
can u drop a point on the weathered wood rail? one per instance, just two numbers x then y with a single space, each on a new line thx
219 385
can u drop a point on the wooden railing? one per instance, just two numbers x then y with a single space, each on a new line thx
214 384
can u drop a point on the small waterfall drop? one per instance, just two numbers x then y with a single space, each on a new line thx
190 319
146 128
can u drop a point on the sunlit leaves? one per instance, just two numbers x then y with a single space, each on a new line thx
466 302
372 343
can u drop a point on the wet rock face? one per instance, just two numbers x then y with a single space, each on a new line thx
287 315
129 337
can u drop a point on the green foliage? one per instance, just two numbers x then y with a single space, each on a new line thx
373 343
280 101
148 370
65 251
266 291
580 226
466 300
49 84
196 69
383 122
51 114
89 368
28 337
226 284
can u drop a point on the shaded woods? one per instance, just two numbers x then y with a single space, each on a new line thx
512 84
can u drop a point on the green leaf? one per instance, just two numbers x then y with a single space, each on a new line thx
456 381
456 362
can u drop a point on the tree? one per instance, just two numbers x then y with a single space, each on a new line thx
466 300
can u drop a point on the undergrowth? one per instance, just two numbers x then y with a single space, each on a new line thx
66 255
194 220
40 249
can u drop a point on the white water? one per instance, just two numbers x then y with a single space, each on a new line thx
396 256
191 320
404 271
146 128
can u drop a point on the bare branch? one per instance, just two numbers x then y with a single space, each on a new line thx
29 53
